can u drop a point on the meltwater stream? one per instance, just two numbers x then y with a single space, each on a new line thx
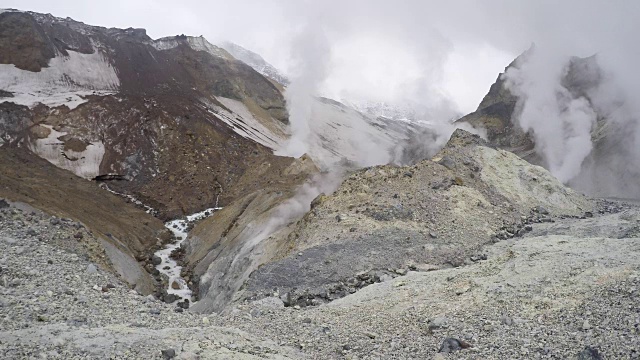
177 285
168 266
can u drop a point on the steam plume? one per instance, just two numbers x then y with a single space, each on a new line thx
560 123
310 52
583 116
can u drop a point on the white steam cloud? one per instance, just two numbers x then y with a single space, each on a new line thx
311 54
560 124
295 207
583 114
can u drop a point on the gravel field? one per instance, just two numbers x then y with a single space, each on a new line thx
537 297
56 303
546 296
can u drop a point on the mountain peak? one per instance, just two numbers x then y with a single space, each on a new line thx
198 43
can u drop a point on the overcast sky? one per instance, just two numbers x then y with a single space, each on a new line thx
423 51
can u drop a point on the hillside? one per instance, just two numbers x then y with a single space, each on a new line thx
255 61
150 111
438 212
178 117
173 126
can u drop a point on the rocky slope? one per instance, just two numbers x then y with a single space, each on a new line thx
255 61
181 122
118 233
437 213
564 289
495 114
552 294
57 303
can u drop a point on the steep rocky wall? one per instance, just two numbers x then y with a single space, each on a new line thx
582 77
23 43
226 248
495 114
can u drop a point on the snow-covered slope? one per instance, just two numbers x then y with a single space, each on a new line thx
383 109
65 81
255 61
83 160
198 43
241 120
339 133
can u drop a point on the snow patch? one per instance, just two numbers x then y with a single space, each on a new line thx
53 99
167 43
255 61
389 111
64 82
196 43
242 121
201 44
85 163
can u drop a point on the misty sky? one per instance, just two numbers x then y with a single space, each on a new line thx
428 52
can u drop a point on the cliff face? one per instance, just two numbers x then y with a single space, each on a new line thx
499 108
494 114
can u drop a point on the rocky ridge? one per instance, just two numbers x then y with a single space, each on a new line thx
536 297
255 61
380 222
437 213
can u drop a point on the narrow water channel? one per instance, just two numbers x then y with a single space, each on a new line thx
168 266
